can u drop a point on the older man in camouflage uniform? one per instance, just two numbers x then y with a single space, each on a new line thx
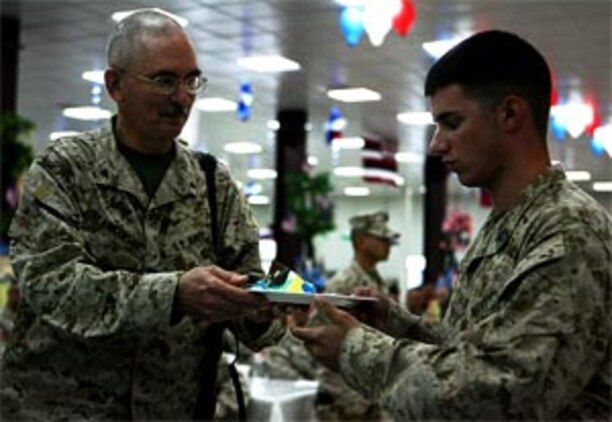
527 334
372 239
113 252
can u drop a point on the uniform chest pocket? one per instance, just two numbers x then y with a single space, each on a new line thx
546 252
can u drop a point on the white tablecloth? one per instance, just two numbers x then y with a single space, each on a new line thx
278 400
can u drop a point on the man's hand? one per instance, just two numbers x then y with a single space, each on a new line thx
214 294
372 313
324 342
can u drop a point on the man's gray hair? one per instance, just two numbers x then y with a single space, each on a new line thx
123 41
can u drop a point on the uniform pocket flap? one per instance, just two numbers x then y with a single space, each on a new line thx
550 250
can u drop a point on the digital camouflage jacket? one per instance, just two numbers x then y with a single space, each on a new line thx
98 264
527 333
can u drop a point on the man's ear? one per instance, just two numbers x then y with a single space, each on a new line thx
512 112
112 80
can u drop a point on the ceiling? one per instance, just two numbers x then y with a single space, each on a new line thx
61 39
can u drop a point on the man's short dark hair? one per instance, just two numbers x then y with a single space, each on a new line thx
493 64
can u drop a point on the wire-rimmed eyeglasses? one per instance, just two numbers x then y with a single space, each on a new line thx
168 84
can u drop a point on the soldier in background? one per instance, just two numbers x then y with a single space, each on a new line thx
372 240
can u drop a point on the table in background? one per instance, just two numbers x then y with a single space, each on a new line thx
277 400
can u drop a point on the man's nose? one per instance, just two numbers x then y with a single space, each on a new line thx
437 144
182 95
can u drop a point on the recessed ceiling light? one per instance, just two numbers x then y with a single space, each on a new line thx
356 191
95 76
409 157
348 171
273 125
602 186
62 134
259 200
119 16
578 175
87 113
242 148
271 63
215 104
415 118
261 174
348 143
353 95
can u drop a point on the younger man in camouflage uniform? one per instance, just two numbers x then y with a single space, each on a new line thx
527 334
113 252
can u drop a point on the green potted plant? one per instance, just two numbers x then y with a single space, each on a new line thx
17 154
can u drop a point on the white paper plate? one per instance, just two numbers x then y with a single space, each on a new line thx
345 301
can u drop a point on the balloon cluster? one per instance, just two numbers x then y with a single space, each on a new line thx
376 18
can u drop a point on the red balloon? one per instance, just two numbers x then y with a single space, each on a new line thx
404 20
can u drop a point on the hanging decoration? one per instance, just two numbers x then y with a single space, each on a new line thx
335 125
351 24
602 137
376 18
404 20
245 101
379 163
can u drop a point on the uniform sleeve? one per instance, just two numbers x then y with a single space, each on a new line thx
404 324
240 253
61 281
528 359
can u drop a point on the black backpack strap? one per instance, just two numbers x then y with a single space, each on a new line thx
207 395
208 164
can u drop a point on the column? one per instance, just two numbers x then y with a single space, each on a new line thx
290 157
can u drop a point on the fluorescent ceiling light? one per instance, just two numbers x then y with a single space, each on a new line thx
578 175
416 118
348 171
87 113
262 174
272 63
273 125
356 191
312 160
353 95
119 16
242 148
62 134
259 200
437 49
348 143
409 157
215 104
95 76
602 186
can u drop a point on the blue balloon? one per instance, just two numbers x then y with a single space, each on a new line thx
351 24
597 147
558 129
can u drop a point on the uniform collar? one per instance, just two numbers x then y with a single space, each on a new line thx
500 226
112 169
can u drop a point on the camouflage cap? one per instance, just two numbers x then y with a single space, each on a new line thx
374 224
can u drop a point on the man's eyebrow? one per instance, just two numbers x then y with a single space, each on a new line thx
443 116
